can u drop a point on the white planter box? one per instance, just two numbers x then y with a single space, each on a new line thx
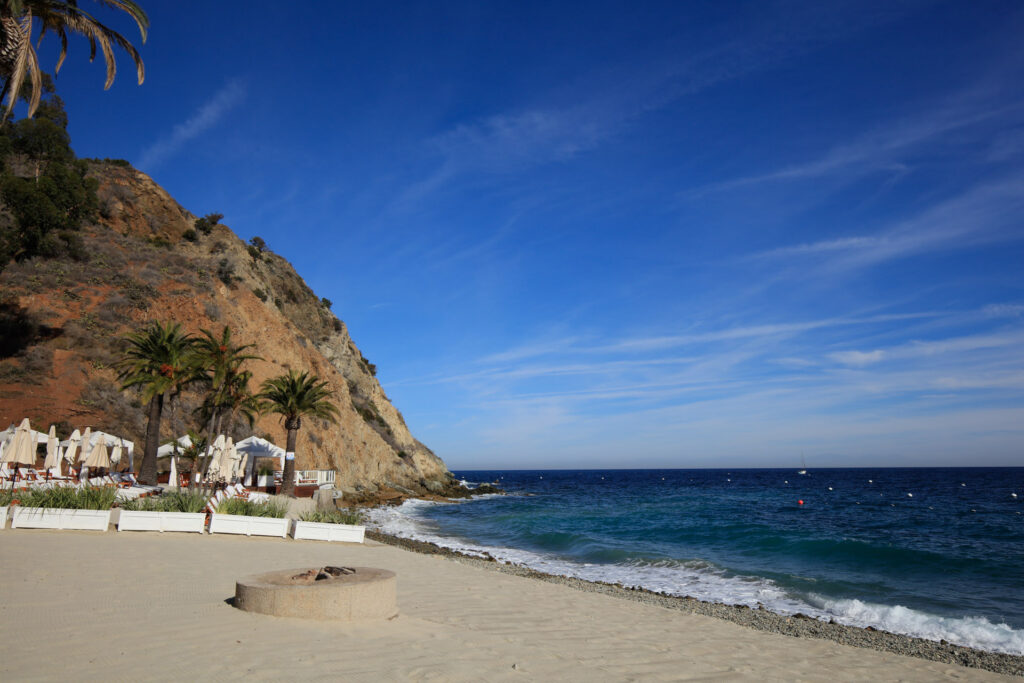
146 520
3 517
319 531
53 518
248 526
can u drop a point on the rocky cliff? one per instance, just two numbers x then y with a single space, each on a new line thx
61 321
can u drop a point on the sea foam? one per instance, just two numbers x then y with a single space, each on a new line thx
711 583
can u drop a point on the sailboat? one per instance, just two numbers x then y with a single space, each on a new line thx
803 465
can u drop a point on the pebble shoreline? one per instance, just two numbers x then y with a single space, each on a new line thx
797 626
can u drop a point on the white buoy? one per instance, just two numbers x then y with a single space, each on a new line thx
910 495
1013 495
786 482
963 484
871 481
829 488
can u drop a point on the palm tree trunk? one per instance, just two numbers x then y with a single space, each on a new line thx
147 474
288 485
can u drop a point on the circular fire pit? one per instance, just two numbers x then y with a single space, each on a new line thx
342 593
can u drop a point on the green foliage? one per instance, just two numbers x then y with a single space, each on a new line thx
60 17
44 187
206 223
367 365
190 235
255 253
333 516
6 496
170 501
296 395
238 506
326 303
226 272
258 243
70 498
124 163
158 360
260 294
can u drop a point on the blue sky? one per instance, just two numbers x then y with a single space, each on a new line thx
622 234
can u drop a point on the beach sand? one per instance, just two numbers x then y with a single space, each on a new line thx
90 606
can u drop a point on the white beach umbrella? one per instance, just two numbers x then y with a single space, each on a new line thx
22 448
228 455
214 453
98 455
53 454
240 464
71 446
172 480
86 447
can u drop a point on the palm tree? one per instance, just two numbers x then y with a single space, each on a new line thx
294 396
221 361
18 58
159 361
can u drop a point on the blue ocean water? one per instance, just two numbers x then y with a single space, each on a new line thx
931 552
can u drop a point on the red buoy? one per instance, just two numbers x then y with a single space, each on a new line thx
801 502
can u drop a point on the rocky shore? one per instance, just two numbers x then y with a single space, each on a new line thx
797 626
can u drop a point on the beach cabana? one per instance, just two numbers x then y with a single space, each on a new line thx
253 448
176 446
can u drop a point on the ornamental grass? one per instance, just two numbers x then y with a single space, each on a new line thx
69 498
332 516
239 506
169 501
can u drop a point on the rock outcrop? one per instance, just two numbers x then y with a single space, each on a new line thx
61 322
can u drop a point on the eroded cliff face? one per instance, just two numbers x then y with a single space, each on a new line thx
65 319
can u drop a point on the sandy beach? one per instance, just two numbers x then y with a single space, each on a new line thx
90 606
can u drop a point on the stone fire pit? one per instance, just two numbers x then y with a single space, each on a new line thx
341 593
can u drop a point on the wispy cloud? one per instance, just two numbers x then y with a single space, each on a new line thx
986 213
886 148
537 134
206 117
917 349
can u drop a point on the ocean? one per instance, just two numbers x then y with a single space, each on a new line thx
936 553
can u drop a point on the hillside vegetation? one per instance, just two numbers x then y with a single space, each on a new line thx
93 249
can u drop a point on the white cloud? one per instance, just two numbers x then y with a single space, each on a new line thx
207 116
857 358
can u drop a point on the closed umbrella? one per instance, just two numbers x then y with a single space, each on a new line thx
22 448
83 453
71 448
86 444
213 468
98 455
240 466
52 452
228 455
172 481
